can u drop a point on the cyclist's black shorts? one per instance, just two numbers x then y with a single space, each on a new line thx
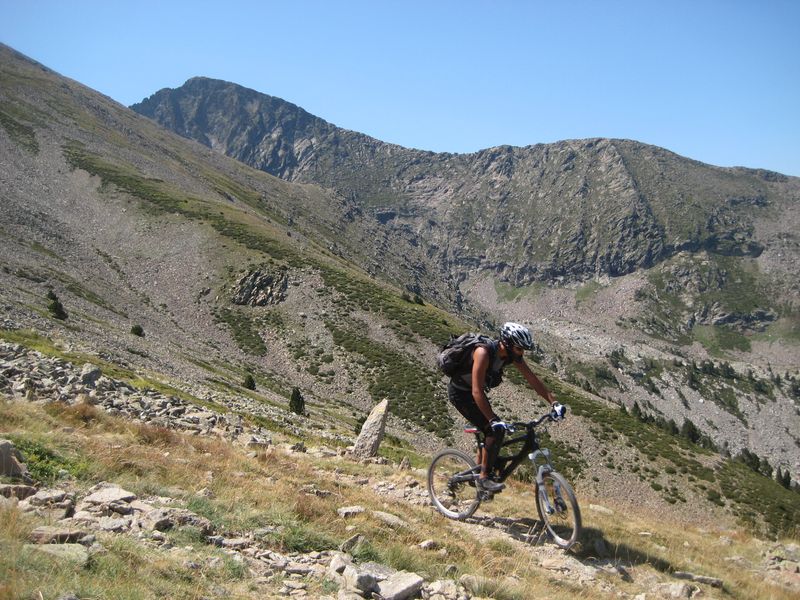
466 405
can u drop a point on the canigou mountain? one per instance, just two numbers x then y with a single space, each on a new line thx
336 264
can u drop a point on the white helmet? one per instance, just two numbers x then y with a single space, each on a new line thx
516 335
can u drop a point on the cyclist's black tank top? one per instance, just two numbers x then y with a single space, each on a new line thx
493 374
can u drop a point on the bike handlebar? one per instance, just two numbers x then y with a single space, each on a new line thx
531 424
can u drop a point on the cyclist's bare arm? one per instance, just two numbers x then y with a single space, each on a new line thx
534 381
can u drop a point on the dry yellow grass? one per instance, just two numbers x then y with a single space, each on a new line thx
275 489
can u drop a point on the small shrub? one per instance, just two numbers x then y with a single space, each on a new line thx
249 383
79 413
44 462
137 330
244 331
234 569
55 307
300 537
297 403
187 535
154 435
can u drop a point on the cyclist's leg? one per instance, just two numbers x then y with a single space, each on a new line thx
493 442
465 404
488 456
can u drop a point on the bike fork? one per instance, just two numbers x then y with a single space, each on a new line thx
543 470
545 497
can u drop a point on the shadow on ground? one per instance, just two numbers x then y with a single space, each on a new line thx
592 546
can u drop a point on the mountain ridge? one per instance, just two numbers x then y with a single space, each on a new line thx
415 187
150 103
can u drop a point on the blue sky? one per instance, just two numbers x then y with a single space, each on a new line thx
717 81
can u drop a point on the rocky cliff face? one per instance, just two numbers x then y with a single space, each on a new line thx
560 212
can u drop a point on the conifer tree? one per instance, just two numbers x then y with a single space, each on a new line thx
249 383
55 307
297 403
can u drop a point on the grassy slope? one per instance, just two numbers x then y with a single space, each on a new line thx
265 491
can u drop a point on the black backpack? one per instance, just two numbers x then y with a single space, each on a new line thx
452 360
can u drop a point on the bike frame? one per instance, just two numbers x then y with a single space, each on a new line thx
505 465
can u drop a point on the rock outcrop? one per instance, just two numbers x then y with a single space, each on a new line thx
11 462
261 287
29 374
371 436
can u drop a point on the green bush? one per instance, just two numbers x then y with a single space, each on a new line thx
22 134
243 329
297 403
137 330
55 307
301 537
44 462
714 496
249 383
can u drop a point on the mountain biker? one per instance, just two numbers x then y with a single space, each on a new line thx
467 391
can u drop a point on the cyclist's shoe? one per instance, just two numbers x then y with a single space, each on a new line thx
487 485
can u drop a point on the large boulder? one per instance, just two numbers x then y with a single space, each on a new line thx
261 287
90 374
11 462
18 491
400 586
107 493
371 436
61 554
49 534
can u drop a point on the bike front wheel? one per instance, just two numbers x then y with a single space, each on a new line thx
558 509
451 484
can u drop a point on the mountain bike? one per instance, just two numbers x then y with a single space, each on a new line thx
454 492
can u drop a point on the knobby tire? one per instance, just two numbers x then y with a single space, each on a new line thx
564 523
455 500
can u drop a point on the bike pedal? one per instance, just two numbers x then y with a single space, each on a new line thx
485 496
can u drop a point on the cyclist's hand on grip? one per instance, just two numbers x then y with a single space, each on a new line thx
558 412
498 425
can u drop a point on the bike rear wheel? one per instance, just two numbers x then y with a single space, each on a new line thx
451 484
558 509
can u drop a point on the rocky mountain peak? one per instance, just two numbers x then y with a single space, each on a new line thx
555 213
